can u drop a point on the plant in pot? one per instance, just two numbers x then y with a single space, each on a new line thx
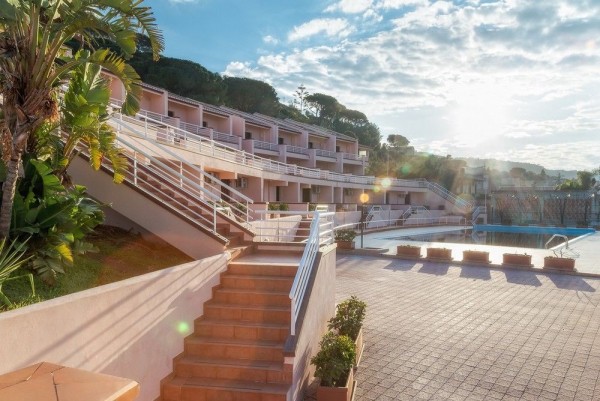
348 321
333 365
408 251
345 238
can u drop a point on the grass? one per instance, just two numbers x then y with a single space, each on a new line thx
122 255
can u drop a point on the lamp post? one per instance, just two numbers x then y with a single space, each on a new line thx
364 198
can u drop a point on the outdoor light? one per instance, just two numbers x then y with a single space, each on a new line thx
364 198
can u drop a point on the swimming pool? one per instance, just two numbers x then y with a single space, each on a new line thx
514 236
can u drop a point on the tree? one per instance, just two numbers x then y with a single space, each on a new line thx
251 96
397 140
34 63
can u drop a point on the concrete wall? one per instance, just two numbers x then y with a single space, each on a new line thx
132 328
282 229
319 309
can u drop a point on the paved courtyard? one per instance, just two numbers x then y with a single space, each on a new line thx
442 332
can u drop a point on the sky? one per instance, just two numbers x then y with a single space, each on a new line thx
512 80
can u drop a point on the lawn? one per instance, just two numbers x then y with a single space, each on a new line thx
121 255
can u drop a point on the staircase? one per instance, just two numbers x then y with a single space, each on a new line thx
236 350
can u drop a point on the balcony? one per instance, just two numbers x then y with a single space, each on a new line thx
325 153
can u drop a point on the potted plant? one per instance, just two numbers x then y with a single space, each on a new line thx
348 321
333 365
476 256
273 207
559 263
516 259
444 254
408 251
345 238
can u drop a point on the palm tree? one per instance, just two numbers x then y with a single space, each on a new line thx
34 63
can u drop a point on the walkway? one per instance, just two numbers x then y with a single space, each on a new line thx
441 332
587 247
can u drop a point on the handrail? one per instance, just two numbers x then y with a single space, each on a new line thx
321 233
139 175
185 168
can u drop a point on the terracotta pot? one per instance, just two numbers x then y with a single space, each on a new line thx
514 259
553 262
476 256
409 250
345 244
439 253
337 393
359 346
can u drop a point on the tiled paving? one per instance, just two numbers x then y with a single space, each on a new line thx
442 332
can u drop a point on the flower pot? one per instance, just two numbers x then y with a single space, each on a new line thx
515 259
444 254
476 257
553 262
345 244
409 251
360 346
338 393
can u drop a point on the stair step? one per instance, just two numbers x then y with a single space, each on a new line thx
211 347
241 330
219 389
232 369
240 296
263 269
247 313
274 283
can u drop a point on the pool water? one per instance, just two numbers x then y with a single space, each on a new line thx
513 236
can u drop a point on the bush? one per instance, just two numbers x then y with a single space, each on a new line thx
334 360
345 234
349 317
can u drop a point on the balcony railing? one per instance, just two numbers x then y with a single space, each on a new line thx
351 156
325 153
266 146
297 149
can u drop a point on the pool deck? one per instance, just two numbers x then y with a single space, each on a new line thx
585 250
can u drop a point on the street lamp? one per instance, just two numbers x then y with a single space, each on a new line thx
364 198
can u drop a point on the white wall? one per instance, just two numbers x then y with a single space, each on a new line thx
132 328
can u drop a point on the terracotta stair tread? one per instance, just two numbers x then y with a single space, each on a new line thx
246 363
232 385
231 322
258 277
234 341
251 291
248 307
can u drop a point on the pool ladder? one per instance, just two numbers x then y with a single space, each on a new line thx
562 249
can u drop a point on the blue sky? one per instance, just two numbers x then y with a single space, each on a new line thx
513 79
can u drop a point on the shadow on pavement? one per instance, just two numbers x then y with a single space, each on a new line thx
522 277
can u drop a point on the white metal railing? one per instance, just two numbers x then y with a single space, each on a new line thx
297 149
325 153
562 250
475 215
266 145
185 172
351 156
145 170
321 233
198 143
195 129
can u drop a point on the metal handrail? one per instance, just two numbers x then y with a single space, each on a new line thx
321 233
220 198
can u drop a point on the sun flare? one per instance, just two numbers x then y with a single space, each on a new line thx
480 112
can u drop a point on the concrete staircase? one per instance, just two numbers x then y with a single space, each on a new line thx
236 350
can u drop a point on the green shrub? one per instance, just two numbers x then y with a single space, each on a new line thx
334 360
345 234
349 317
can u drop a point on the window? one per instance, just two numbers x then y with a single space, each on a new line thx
280 141
170 113
204 124
310 145
248 135
337 148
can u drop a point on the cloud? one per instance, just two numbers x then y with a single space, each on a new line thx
329 26
540 57
183 1
350 6
270 40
